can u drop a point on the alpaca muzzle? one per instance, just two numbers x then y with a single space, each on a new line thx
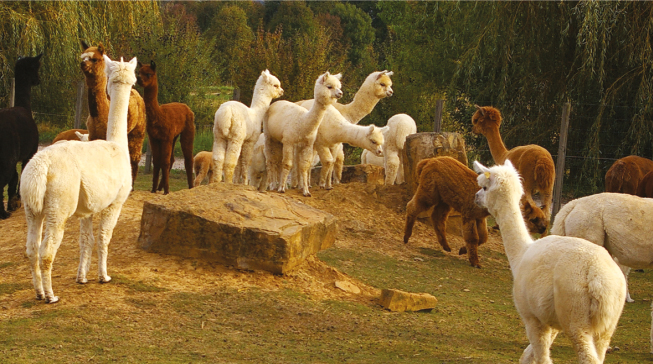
389 92
338 94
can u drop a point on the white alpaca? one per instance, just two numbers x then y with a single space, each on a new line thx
80 179
560 283
82 137
376 86
237 128
395 132
289 127
616 221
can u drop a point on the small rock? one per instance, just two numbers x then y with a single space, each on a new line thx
465 290
418 259
348 287
396 300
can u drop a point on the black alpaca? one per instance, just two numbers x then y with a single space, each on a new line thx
19 137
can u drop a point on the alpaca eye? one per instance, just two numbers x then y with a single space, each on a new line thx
373 142
93 60
484 188
383 85
329 87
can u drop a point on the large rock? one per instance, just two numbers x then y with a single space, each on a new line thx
427 145
364 173
396 300
236 225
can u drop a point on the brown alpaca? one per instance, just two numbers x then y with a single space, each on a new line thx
68 135
645 187
203 166
166 123
534 164
92 66
445 183
625 175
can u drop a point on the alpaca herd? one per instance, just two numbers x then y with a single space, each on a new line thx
573 280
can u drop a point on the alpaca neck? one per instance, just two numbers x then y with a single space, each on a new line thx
362 105
151 99
117 118
314 116
260 104
23 93
513 232
98 102
497 148
350 134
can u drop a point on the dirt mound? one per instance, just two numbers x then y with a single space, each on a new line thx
370 217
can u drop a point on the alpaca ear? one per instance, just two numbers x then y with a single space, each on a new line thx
527 209
107 59
338 76
153 65
508 164
100 48
390 73
133 62
84 45
381 74
139 64
370 130
479 168
324 77
480 109
38 58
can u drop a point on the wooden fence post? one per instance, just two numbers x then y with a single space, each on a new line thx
560 163
437 121
236 94
12 94
79 103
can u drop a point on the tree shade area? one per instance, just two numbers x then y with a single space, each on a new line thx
525 58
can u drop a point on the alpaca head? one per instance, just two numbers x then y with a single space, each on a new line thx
382 84
327 88
28 69
484 119
374 140
119 73
269 85
501 187
536 221
146 74
92 60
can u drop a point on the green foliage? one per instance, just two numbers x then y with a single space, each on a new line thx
232 36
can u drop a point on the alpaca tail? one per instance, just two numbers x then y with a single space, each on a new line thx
607 291
33 183
559 227
223 121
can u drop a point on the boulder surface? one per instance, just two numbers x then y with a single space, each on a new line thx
236 225
396 300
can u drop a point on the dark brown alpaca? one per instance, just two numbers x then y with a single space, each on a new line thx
92 66
445 184
165 123
19 137
625 175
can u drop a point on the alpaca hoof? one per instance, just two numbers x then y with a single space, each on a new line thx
406 239
54 299
629 300
462 251
307 194
81 280
14 204
40 296
106 279
447 249
477 265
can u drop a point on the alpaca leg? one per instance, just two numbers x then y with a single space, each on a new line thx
294 172
108 219
626 272
86 243
231 159
201 170
246 153
439 220
414 207
156 162
540 338
54 229
470 235
304 167
171 163
338 165
326 158
186 140
583 344
166 152
34 233
286 166
13 202
3 214
391 164
219 148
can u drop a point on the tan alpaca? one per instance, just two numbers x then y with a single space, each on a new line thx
533 163
92 66
203 167
445 183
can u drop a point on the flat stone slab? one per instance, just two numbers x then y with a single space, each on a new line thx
236 225
399 301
